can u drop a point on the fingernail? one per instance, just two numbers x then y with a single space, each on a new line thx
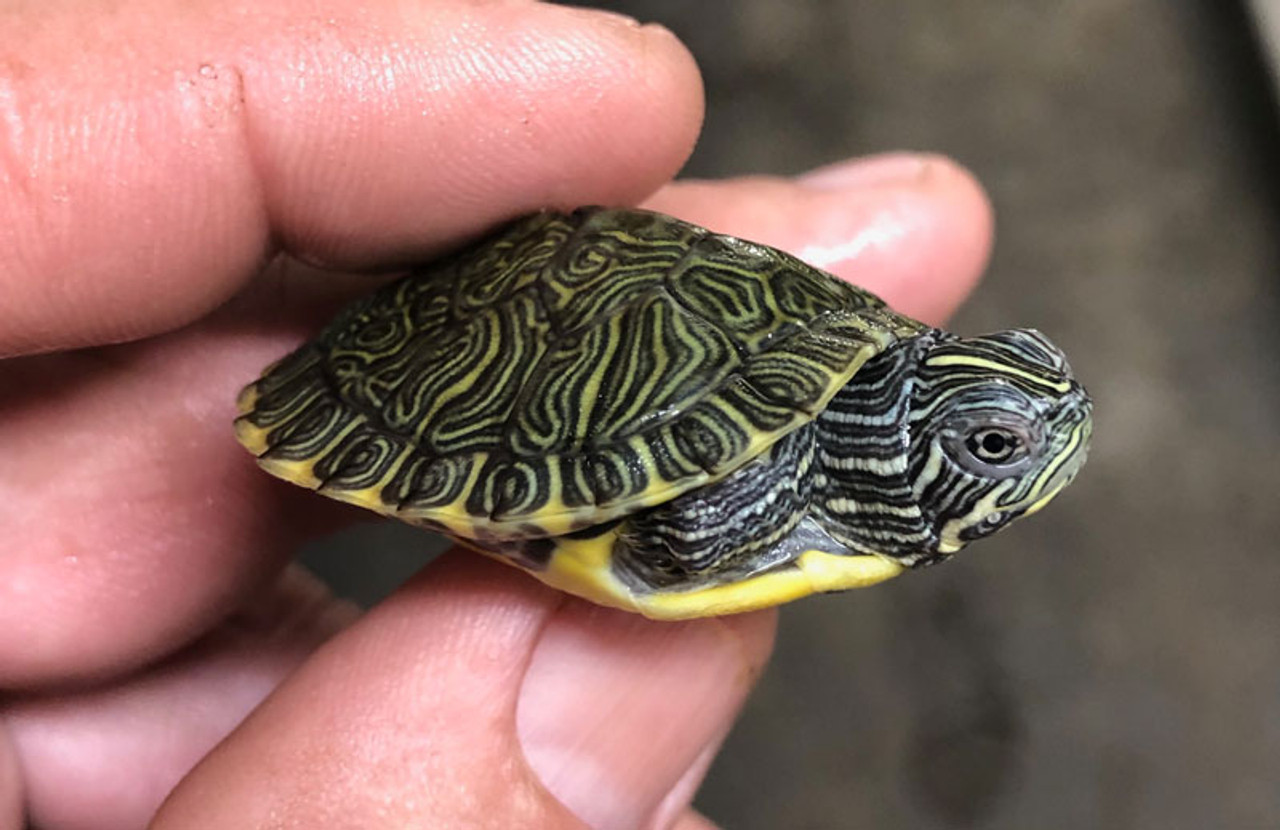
869 171
616 710
681 795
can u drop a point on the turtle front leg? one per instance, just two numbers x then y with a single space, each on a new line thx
721 531
744 543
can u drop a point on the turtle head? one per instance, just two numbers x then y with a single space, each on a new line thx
997 427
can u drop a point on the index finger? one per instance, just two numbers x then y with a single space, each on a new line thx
153 153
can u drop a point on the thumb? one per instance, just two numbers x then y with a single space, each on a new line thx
475 697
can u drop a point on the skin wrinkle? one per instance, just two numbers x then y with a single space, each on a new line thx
322 54
224 101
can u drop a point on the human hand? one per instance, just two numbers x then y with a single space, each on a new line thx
156 155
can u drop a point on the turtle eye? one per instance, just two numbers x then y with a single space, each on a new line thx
995 445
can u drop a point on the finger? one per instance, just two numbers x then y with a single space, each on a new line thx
106 757
150 420
915 229
155 150
477 697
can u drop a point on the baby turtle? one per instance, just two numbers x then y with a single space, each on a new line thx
664 419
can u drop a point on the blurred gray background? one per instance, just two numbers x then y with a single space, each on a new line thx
1116 661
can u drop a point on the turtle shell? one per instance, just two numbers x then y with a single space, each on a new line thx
563 372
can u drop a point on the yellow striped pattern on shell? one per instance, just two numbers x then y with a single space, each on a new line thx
568 370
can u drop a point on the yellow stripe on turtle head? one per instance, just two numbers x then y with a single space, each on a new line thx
1059 386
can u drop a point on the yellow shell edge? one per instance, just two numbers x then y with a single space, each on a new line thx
582 567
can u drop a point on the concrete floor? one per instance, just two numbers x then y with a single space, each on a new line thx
1116 661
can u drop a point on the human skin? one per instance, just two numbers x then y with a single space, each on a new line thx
188 189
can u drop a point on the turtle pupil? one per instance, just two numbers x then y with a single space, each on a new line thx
992 445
